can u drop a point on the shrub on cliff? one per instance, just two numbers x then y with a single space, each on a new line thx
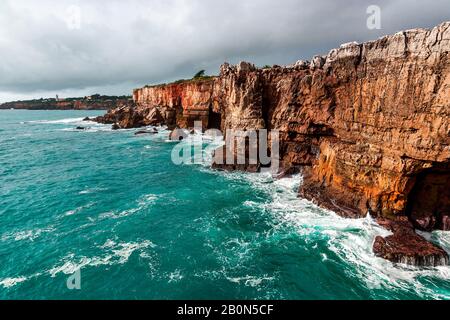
199 75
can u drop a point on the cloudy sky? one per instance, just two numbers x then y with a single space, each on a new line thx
81 47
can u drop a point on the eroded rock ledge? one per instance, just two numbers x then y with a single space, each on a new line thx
368 125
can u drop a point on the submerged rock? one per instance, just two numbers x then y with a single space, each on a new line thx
125 117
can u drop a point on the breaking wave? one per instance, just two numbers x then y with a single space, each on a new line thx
349 239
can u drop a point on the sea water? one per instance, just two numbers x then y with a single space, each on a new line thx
113 208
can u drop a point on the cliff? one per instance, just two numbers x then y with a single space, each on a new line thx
95 102
177 104
368 125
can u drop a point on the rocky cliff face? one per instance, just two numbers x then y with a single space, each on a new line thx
176 104
368 125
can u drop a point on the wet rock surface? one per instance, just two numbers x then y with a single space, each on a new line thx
143 132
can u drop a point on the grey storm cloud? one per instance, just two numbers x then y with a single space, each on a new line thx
117 45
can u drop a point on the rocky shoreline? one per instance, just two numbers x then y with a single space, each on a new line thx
368 125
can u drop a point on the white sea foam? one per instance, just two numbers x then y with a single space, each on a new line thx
113 254
89 129
175 276
60 121
118 215
350 239
92 190
11 282
90 126
30 235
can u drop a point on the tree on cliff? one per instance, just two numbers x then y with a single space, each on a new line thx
199 74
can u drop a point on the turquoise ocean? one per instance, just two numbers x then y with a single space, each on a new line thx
137 226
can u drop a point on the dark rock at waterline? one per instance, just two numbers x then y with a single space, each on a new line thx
125 117
405 246
87 119
141 132
81 128
115 126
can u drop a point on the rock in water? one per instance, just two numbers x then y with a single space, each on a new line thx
407 247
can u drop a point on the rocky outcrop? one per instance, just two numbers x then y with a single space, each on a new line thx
406 246
124 117
368 125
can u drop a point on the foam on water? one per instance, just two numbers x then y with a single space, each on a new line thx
79 209
350 239
11 282
30 235
92 190
90 126
144 202
250 281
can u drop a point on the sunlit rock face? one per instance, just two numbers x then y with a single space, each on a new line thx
368 125
178 104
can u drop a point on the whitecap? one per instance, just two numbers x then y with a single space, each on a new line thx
92 190
125 250
30 235
250 281
11 282
113 254
79 209
60 121
175 276
143 203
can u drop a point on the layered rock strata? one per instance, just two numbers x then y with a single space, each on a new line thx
368 125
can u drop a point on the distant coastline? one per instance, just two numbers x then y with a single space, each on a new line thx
94 102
